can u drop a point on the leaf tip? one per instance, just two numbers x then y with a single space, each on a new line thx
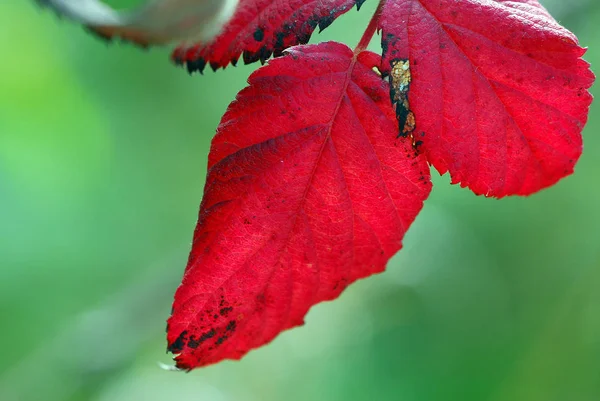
170 368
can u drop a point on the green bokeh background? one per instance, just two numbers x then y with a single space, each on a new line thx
103 152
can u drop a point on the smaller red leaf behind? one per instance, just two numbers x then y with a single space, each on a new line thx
261 28
308 190
499 90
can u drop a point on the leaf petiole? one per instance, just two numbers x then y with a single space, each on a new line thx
371 29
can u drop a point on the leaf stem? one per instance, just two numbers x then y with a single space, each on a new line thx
371 29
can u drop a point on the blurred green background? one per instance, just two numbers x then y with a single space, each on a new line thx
102 160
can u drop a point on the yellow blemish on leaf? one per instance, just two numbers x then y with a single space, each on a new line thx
400 79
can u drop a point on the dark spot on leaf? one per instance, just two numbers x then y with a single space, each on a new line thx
279 40
193 343
259 34
225 311
231 326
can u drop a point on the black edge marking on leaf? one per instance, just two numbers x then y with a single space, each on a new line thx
177 346
278 44
196 65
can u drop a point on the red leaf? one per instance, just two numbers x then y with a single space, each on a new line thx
499 90
260 28
308 190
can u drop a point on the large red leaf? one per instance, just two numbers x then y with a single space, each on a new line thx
308 190
499 90
260 28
